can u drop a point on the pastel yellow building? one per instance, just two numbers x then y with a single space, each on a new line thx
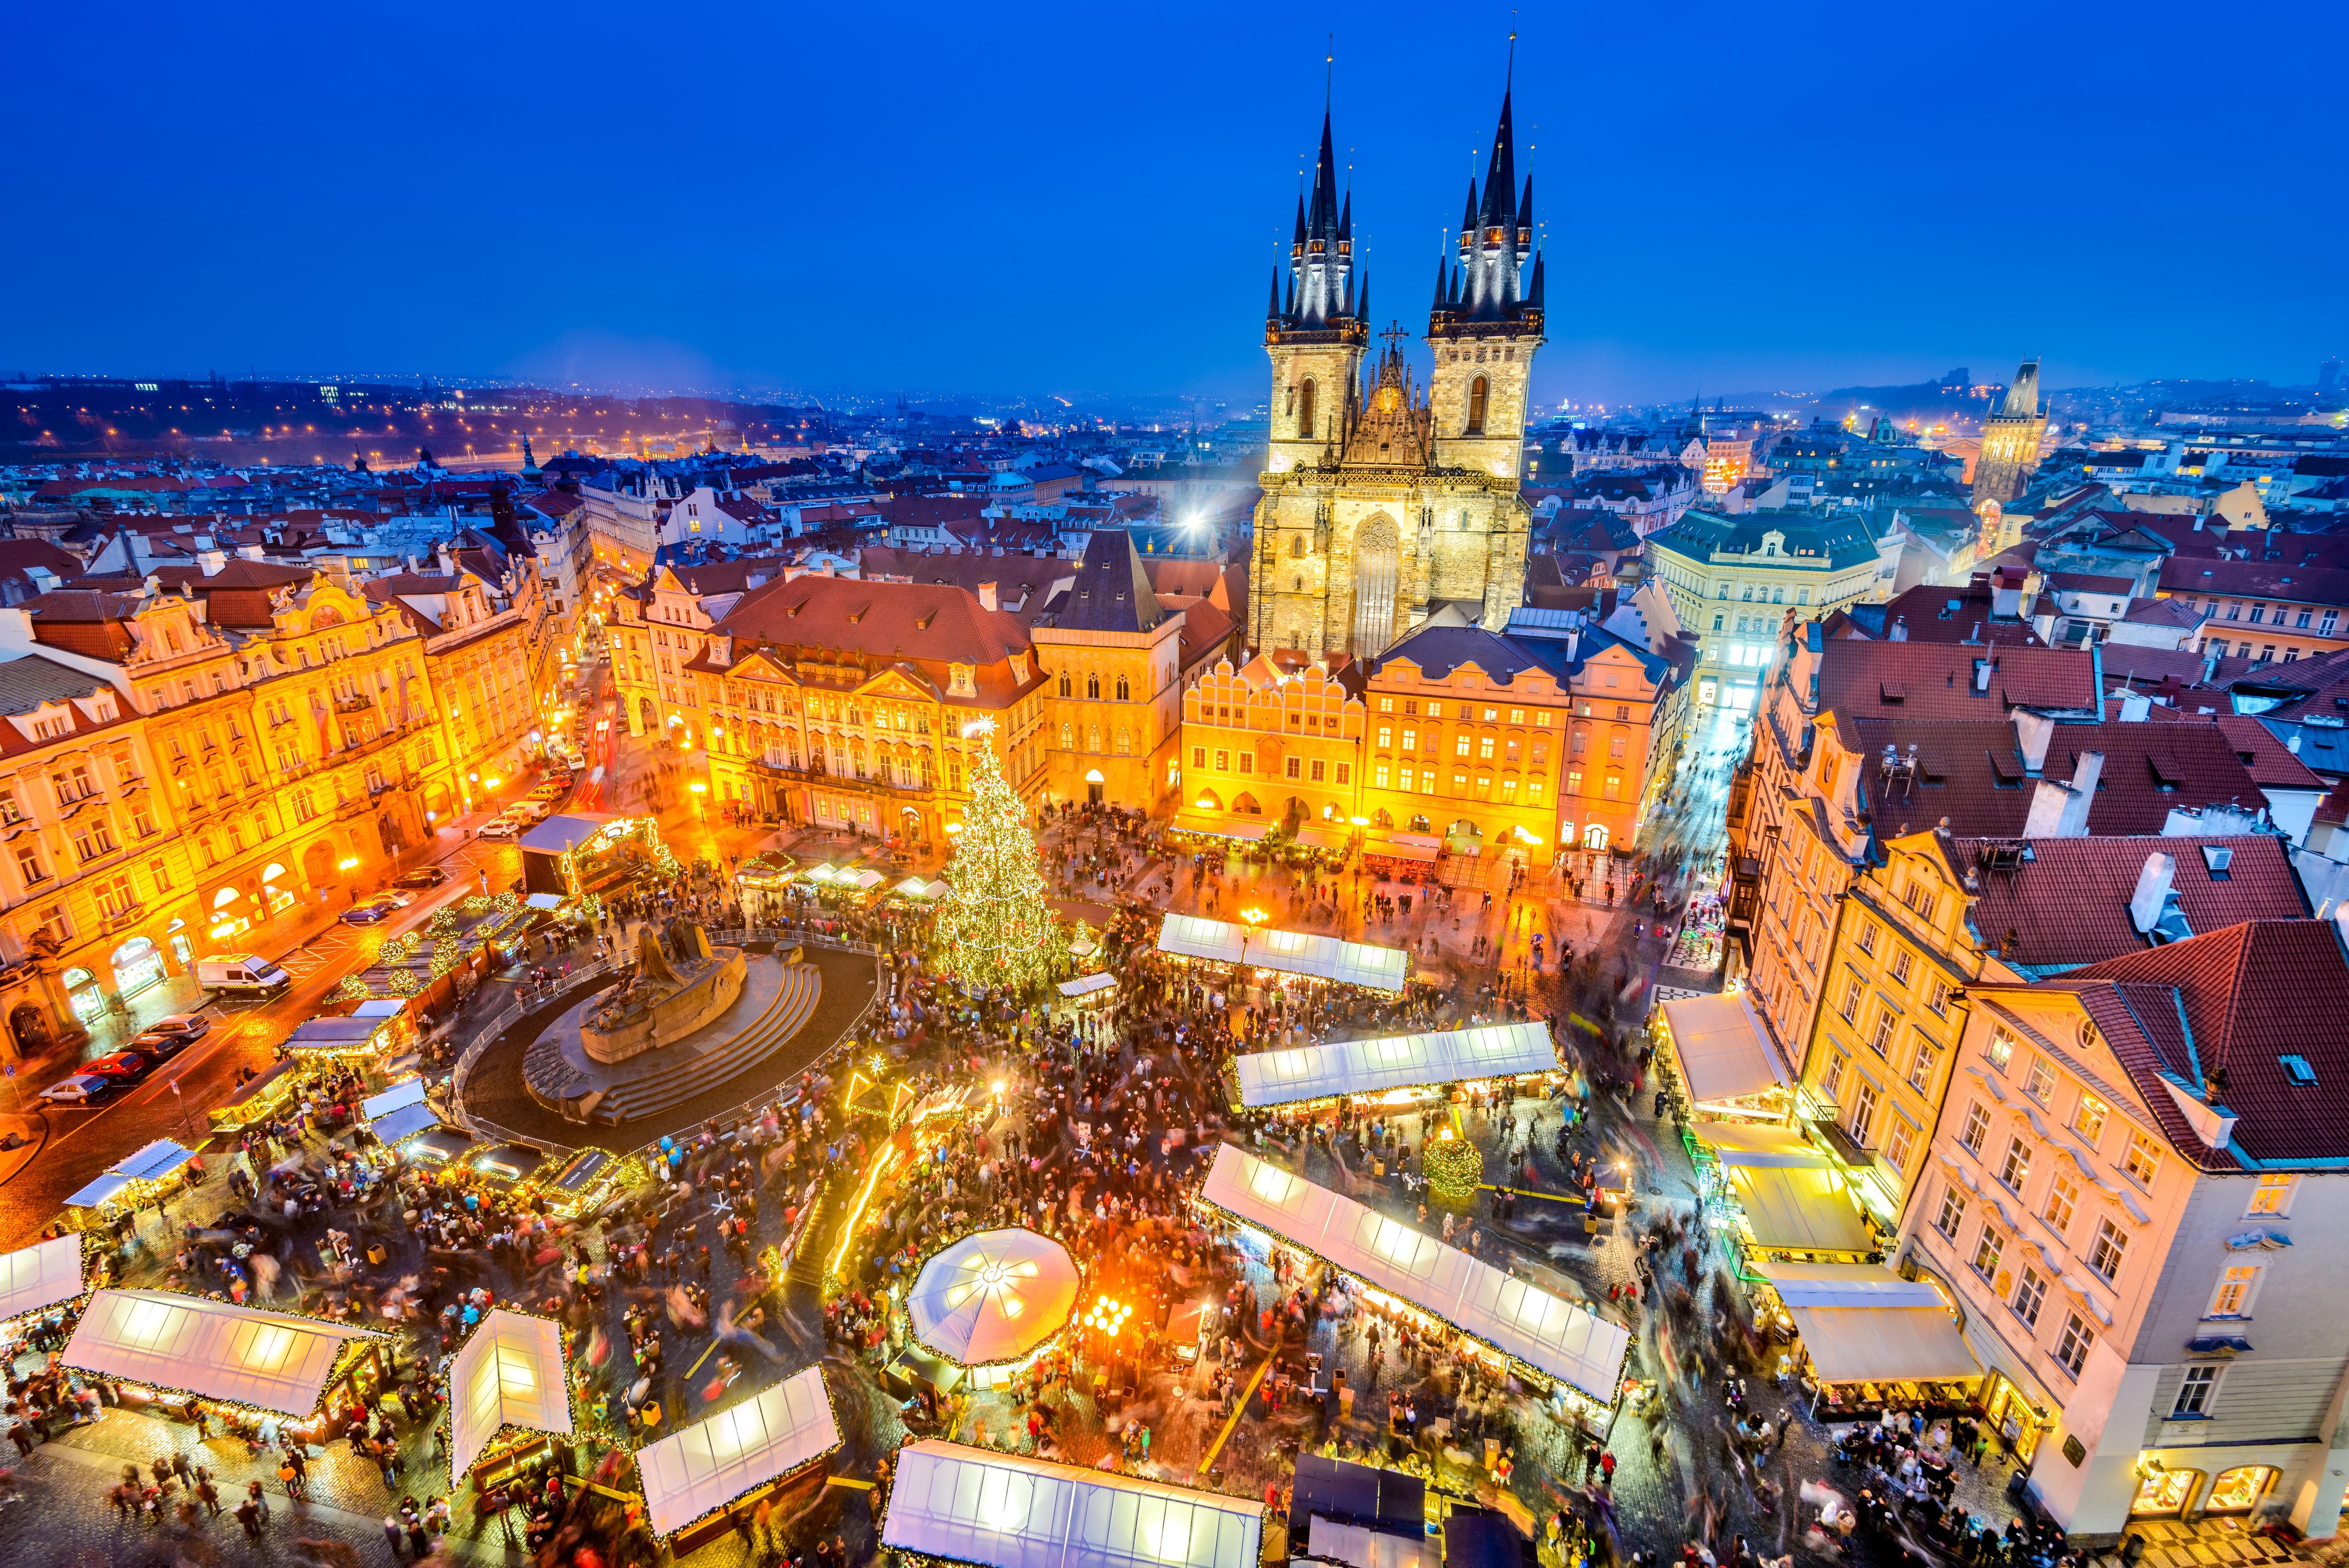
1276 742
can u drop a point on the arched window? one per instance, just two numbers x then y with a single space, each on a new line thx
1124 692
1092 740
1064 683
1478 391
1093 686
1305 409
1124 742
1067 737
1297 546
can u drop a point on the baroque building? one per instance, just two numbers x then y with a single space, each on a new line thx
2010 440
1384 501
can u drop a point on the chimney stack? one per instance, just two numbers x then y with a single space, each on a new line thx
2153 884
2032 731
986 596
213 561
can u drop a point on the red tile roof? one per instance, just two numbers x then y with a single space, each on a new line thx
925 625
1936 681
2234 1003
2271 762
2296 583
2067 904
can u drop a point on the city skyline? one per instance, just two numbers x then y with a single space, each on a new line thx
1001 248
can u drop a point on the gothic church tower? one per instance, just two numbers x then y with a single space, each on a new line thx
2010 440
1382 502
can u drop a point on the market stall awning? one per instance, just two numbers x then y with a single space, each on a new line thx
509 1374
1756 1142
155 1161
993 1297
1312 837
863 879
973 1505
915 888
1086 985
1288 952
1393 1061
398 1127
101 1191
1521 1319
707 1465
1247 829
1721 1048
410 1092
562 834
41 1275
270 1360
542 901
339 1034
1400 846
1863 1323
1797 1209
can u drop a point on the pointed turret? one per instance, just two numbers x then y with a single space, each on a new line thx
1501 173
1272 308
1534 291
1322 255
1468 213
1496 242
1299 240
1526 211
1442 283
1346 221
1361 311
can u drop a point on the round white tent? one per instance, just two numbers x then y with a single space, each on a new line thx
993 1296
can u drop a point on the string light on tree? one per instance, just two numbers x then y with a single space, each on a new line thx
995 929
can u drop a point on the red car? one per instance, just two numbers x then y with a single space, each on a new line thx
125 1067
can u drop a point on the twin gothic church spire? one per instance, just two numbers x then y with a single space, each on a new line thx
1323 295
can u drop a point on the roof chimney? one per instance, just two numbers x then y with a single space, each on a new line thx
987 596
2032 733
1983 668
213 561
2091 768
2152 893
1899 632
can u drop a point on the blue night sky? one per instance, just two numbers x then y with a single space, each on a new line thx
1087 201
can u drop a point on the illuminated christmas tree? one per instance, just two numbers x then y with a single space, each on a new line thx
994 931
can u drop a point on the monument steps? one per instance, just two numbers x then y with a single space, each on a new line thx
699 1068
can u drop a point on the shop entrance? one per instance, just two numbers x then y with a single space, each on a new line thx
2240 1490
1093 784
273 888
2164 1494
137 964
84 992
1464 837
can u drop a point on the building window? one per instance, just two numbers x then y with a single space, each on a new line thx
2072 1349
2088 1121
2063 1194
2039 1082
1223 762
1863 1112
2112 1246
1868 937
1899 1140
1880 1040
1199 756
1854 988
1479 393
2015 1168
2001 1050
2236 1287
2143 1160
2029 1294
1920 1066
1987 1251
1345 773
2273 1195
1953 1211
1832 1080
2194 1391
1316 771
1903 961
1296 767
1977 1130
1378 775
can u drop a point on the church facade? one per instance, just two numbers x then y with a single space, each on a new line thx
1386 502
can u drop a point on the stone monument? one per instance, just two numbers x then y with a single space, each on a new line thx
681 984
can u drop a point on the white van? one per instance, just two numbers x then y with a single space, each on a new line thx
241 974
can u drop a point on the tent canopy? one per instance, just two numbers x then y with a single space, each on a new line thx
509 1374
561 834
269 1360
1517 1318
101 1191
710 1463
1289 952
1002 1511
993 1296
397 1127
401 1095
1863 1323
1722 1052
1798 1209
38 1276
1755 1143
1393 1061
343 1030
1085 985
544 901
157 1160
1246 828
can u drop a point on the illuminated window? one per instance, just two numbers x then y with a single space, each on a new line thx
2273 1195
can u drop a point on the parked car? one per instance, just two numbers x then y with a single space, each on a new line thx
128 1066
81 1089
551 792
503 827
370 911
159 1044
394 898
241 974
186 1025
423 876
528 812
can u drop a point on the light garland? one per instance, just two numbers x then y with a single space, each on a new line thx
769 1484
994 930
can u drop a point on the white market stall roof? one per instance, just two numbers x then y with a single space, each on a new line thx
563 833
270 1360
1246 828
408 1093
1797 1208
509 1374
1085 985
993 1296
398 1127
915 888
707 1465
1312 837
1402 846
40 1275
1520 1319
1364 1547
1290 952
542 901
1720 1045
158 1159
1393 1061
393 1006
102 1190
1861 1322
1755 1143
862 878
1002 1511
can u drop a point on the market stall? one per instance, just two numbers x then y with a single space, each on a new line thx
1719 1058
698 1476
990 1301
160 1343
960 1504
270 1095
36 1277
1554 1337
1087 986
344 1037
154 1171
1340 1068
1870 1340
589 1179
1301 953
507 1395
1790 1205
1215 824
399 1113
